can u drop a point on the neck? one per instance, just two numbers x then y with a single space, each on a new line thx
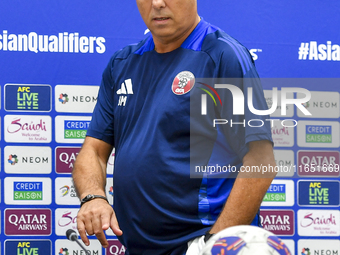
164 45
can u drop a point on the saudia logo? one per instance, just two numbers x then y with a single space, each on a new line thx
309 220
16 126
319 193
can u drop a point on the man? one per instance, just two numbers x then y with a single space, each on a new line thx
143 110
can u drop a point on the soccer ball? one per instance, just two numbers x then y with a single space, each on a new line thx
245 240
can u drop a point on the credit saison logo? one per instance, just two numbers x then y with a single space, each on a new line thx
71 129
75 129
20 97
318 134
276 193
319 51
238 100
28 191
28 247
319 193
63 42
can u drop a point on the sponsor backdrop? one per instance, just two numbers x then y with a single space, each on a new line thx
52 57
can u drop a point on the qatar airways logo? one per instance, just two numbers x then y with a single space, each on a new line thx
28 129
319 222
238 100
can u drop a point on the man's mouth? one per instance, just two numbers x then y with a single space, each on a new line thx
161 18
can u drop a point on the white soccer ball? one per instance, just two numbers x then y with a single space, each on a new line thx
245 240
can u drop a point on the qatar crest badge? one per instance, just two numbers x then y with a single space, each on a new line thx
183 83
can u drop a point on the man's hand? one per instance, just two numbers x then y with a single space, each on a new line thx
89 177
249 188
94 217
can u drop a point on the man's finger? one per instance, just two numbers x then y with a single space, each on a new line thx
82 232
98 231
115 226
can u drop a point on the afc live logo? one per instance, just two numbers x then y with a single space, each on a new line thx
318 193
24 97
27 191
28 247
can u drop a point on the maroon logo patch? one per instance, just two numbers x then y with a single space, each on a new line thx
183 83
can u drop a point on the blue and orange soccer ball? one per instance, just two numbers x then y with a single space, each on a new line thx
245 240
